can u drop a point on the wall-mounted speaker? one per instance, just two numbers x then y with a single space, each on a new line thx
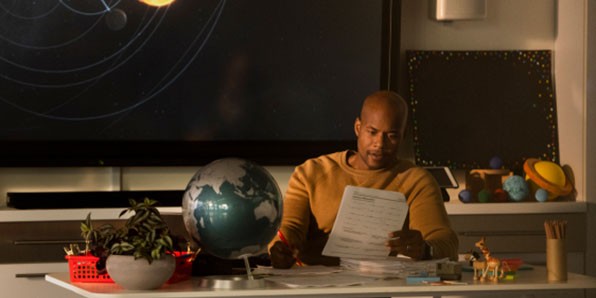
452 10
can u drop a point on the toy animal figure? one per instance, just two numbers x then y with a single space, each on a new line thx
492 266
474 259
479 268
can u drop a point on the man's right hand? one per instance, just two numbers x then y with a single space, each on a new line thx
282 257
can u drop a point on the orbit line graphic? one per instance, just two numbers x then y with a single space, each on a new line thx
107 8
33 17
91 65
73 81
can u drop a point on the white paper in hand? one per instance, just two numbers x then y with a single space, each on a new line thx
364 219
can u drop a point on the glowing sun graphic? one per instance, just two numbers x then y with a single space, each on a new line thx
157 2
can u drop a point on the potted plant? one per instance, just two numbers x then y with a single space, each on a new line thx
139 254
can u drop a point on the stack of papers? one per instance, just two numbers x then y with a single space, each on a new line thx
312 276
400 267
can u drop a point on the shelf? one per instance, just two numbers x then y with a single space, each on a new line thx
17 215
457 208
453 208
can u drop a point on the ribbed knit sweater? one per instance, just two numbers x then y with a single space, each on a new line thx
314 194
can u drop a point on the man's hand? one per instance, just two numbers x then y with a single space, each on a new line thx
282 257
406 242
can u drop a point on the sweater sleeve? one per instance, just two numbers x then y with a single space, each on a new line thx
296 210
306 223
428 215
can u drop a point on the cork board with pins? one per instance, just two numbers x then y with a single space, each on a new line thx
469 106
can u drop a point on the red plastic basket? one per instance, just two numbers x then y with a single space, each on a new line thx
82 269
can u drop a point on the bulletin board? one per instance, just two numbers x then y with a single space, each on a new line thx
469 106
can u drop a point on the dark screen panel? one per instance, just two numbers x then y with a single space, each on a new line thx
175 84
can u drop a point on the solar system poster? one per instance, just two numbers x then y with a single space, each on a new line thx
192 70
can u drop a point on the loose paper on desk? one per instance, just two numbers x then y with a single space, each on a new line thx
364 219
342 279
299 270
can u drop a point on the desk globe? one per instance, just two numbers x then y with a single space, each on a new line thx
232 208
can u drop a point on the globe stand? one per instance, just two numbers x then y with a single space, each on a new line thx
247 281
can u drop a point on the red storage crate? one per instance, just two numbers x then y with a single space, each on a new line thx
82 269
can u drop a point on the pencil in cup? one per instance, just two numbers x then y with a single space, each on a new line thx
285 241
556 251
555 229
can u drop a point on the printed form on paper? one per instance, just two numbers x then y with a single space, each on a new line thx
365 218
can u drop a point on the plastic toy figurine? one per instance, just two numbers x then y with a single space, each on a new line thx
479 267
489 269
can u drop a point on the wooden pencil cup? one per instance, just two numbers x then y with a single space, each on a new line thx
556 259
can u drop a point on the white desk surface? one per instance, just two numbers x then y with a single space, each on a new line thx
526 280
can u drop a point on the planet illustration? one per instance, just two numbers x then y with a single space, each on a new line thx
232 208
116 19
548 176
516 187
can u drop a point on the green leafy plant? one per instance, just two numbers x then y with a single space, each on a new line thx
144 235
98 240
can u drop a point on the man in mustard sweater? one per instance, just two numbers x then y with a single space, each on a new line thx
316 187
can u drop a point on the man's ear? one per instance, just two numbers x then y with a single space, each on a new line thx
357 124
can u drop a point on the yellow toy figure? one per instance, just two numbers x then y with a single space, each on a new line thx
490 268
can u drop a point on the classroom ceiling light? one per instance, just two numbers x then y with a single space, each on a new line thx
157 3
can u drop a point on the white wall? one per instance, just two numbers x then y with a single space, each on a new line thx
570 79
591 142
510 24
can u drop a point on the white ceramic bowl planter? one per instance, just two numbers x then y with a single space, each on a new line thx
138 274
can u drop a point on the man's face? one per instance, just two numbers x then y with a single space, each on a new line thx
379 133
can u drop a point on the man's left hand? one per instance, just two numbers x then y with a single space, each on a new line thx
406 242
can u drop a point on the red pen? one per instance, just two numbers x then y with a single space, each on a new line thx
285 241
